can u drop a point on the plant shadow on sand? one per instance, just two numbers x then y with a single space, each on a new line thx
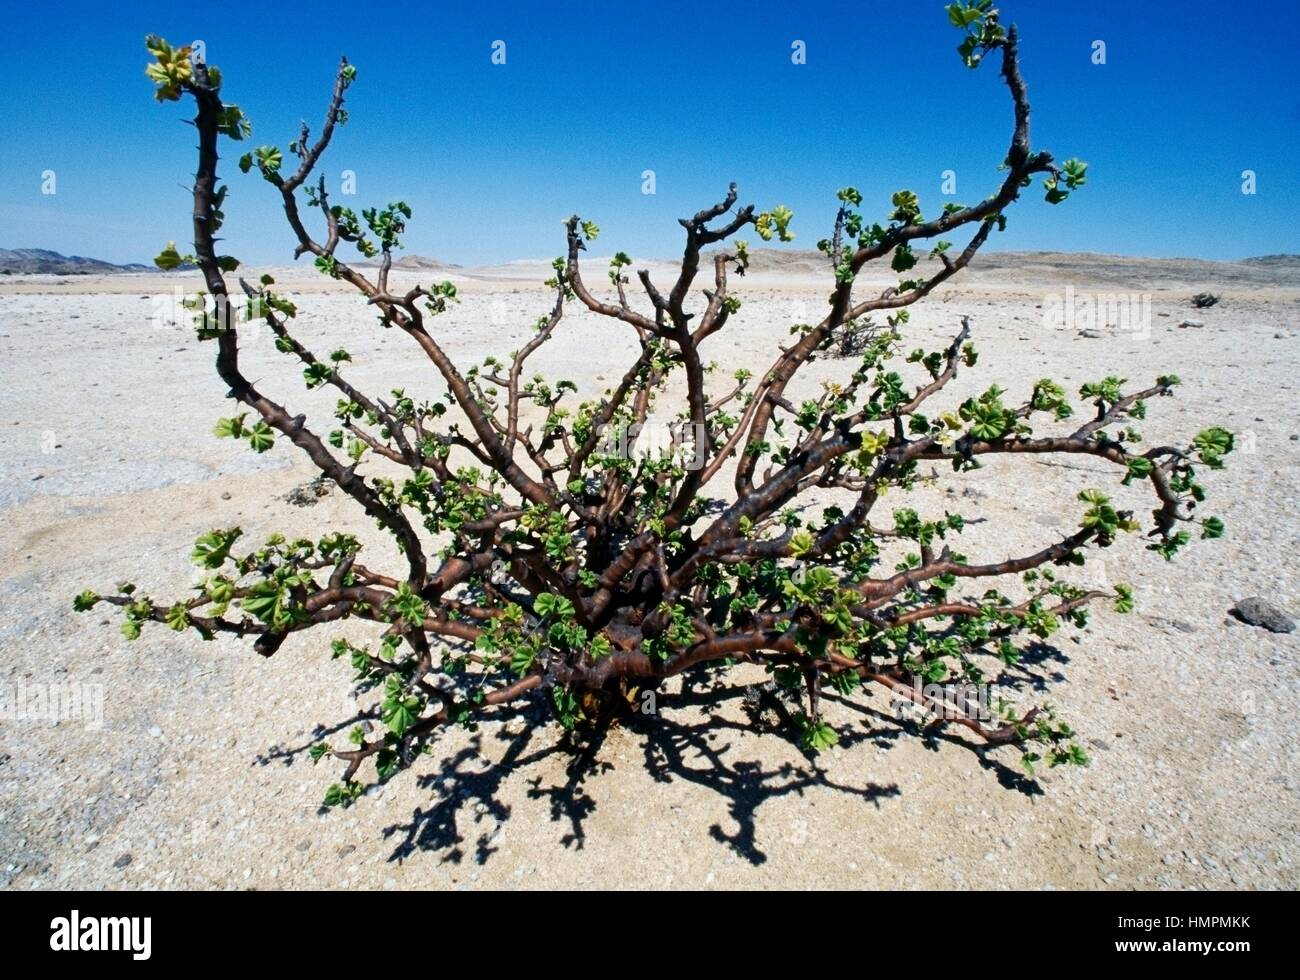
467 815
468 788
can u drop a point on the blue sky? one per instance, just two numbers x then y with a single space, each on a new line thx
492 157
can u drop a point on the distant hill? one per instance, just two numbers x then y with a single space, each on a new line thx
1281 261
1262 270
416 263
18 261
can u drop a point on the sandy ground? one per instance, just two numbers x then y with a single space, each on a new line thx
198 776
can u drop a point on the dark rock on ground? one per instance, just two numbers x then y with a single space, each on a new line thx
1260 612
309 493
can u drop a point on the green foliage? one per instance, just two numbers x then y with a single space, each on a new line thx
343 794
1212 445
169 258
212 550
407 605
171 69
1123 598
401 709
260 437
775 223
816 735
1072 175
979 21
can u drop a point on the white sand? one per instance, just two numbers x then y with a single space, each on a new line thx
108 471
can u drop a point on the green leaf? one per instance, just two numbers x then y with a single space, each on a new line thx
230 428
818 735
269 159
1074 173
212 549
261 437
169 258
1123 598
317 373
265 601
343 794
801 543
408 604
178 617
1139 467
401 714
775 222
231 122
1212 444
548 604
522 659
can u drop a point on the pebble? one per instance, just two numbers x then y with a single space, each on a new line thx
1258 611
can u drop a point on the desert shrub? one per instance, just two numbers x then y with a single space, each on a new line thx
540 560
1203 301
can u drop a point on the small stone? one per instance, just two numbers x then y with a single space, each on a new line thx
1257 611
122 861
155 731
1091 334
309 493
1192 323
